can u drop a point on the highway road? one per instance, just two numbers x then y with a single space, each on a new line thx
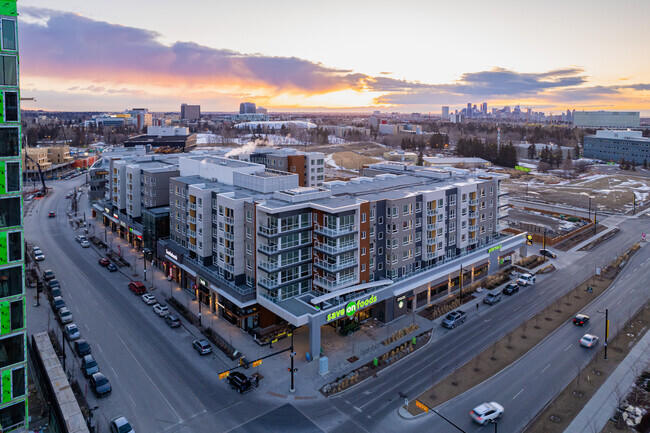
161 384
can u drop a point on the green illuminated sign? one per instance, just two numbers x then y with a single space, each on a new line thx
498 247
351 308
3 177
6 386
519 167
5 318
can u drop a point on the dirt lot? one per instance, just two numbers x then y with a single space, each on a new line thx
515 344
362 148
352 160
608 192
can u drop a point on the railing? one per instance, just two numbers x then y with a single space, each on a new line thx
227 266
229 251
279 229
473 228
431 241
503 214
191 247
503 191
334 284
273 283
229 220
228 235
191 233
432 212
271 266
473 214
272 249
192 206
334 267
243 290
473 202
342 230
473 240
191 219
337 249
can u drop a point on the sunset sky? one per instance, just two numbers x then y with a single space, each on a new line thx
357 55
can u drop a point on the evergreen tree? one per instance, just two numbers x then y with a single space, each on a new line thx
558 157
531 151
645 163
420 159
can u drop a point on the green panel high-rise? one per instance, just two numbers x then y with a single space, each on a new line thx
13 371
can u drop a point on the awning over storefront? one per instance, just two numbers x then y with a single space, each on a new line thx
135 232
115 220
185 268
231 298
98 208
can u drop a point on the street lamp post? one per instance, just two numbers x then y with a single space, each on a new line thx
544 244
606 329
460 283
493 421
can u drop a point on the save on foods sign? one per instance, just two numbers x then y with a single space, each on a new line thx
351 308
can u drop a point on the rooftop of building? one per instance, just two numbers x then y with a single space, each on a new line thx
621 134
455 160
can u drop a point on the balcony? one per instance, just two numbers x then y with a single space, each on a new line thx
332 284
274 283
473 240
271 266
229 251
192 206
275 230
503 213
473 214
334 267
431 241
336 249
191 247
229 220
191 233
473 202
227 267
432 212
333 232
473 228
275 248
229 236
191 220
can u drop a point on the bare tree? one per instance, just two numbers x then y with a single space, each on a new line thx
524 327
495 347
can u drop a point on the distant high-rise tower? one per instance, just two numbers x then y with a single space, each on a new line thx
13 368
247 108
190 112
484 109
445 112
469 109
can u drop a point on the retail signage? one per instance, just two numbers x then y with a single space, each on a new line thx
519 167
171 254
101 173
400 301
498 247
351 308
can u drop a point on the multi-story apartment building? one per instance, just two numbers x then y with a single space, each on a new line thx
615 145
13 371
259 248
309 166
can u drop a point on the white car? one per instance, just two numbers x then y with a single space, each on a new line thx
486 412
149 299
161 309
65 315
36 249
589 340
72 332
39 257
526 280
121 425
80 238
85 244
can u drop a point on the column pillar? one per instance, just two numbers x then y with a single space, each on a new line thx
314 339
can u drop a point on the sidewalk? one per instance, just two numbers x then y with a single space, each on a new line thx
601 406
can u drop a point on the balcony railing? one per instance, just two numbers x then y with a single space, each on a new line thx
191 219
275 248
473 214
191 233
335 284
431 241
432 212
229 220
191 247
473 240
229 251
192 206
334 267
331 232
473 202
271 266
273 283
228 267
228 235
336 249
473 228
503 213
275 230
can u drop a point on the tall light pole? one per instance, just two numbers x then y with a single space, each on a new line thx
460 283
544 245
606 329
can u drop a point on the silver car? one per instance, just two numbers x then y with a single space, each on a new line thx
486 412
65 315
72 332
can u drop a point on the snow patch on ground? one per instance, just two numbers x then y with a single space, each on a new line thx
329 160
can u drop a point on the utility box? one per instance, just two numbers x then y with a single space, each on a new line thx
323 365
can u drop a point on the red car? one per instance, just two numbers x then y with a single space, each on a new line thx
104 261
137 287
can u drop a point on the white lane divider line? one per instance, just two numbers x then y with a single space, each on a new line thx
568 347
517 395
545 368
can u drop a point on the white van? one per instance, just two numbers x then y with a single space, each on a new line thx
526 279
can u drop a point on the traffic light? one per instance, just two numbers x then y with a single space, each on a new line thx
529 239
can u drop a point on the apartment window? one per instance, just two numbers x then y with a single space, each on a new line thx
491 190
380 266
463 225
418 237
249 249
452 227
12 349
406 209
15 246
363 251
9 142
418 253
483 230
380 251
407 225
394 212
8 72
372 214
371 263
249 265
452 241
249 281
491 203
220 210
363 234
8 35
372 231
482 192
183 193
463 211
18 382
380 220
418 207
249 233
249 215
490 214
363 217
406 240
452 213
380 235
463 238
10 212
452 200
363 267
372 247
13 176
11 106
464 198
482 217
441 202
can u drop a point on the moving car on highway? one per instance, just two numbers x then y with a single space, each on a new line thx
486 412
589 340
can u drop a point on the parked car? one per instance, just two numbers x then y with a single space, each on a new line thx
454 319
51 214
35 248
80 238
172 321
526 280
58 303
548 253
112 267
85 244
492 298
149 299
161 309
56 292
54 283
137 287
580 320
65 315
38 251
486 412
511 289
48 275
100 385
104 261
82 348
39 257
121 425
239 381
202 346
72 332
89 366
588 340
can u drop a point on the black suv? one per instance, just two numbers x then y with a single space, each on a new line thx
511 289
240 382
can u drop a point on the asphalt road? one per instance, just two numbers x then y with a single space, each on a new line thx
161 384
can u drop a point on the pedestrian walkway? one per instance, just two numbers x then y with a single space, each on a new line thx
601 406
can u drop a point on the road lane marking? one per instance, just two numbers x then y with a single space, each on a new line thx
132 401
568 347
517 308
546 368
357 409
114 371
517 395
150 379
87 328
619 302
99 347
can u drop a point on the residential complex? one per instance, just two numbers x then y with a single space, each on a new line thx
13 400
190 112
612 145
309 166
607 119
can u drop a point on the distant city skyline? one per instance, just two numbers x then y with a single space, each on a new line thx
85 56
